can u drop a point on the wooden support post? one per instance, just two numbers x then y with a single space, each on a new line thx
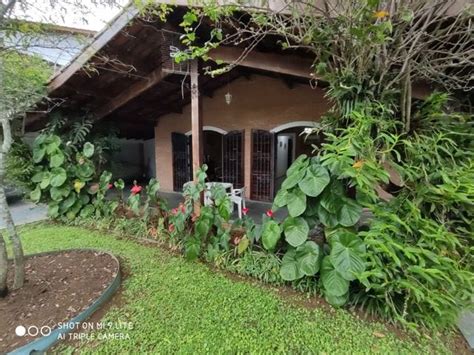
196 123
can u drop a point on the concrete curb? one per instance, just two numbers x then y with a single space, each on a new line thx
41 345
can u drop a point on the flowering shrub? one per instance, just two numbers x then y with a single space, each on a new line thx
206 233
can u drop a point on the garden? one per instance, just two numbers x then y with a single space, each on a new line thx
376 251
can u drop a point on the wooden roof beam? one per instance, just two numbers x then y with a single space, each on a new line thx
131 92
278 63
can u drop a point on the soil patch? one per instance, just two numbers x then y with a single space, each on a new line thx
57 288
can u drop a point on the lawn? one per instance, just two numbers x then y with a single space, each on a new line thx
180 306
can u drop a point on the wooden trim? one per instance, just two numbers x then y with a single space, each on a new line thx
278 63
99 42
133 91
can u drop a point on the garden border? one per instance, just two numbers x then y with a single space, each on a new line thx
42 344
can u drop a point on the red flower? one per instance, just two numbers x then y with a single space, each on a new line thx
183 208
136 189
171 228
110 186
269 213
174 211
245 211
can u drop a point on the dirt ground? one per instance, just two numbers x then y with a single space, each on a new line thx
57 288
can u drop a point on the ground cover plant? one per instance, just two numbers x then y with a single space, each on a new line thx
181 306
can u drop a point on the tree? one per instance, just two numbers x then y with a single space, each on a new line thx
22 80
22 84
366 50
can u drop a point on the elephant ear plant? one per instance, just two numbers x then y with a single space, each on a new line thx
314 197
66 178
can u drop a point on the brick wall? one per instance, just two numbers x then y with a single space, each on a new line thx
259 103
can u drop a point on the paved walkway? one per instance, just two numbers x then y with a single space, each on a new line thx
466 325
26 212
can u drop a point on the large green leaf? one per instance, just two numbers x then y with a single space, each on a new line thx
104 179
68 202
330 201
293 179
53 209
299 163
56 193
349 213
336 301
281 199
88 150
56 160
332 280
152 188
86 170
58 177
316 179
347 255
35 195
85 199
304 260
52 144
192 248
296 202
327 218
289 269
38 154
45 180
38 177
270 234
296 230
309 258
202 227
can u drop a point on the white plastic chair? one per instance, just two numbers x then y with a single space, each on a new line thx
237 196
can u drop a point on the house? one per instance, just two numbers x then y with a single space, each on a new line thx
55 44
245 124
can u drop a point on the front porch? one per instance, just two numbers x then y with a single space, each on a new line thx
245 124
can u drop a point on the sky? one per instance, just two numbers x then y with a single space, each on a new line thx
86 14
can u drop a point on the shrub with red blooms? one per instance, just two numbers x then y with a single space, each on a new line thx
136 189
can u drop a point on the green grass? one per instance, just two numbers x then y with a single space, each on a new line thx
184 307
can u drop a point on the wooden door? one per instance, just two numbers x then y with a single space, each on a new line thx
181 160
233 158
263 165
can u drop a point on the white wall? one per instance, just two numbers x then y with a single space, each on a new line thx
149 157
282 156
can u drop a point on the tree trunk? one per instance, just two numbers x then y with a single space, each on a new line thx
3 268
6 217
